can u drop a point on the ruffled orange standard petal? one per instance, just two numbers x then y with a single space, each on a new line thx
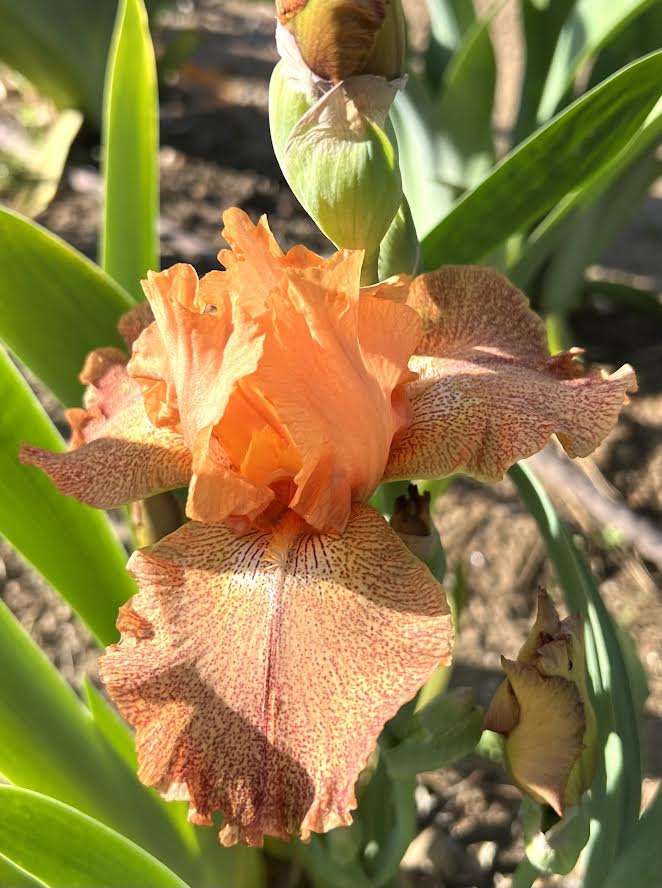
116 454
258 670
286 381
489 393
187 364
330 385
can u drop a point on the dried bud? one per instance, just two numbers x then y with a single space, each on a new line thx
544 711
412 522
338 39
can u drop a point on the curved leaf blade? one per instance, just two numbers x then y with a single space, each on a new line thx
466 146
616 790
67 849
12 876
589 26
555 161
542 23
129 240
554 230
56 304
50 743
639 864
72 545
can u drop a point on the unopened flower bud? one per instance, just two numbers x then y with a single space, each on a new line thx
338 39
337 157
545 714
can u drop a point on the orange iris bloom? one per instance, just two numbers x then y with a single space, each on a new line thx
276 632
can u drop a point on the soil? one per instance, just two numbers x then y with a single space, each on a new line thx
215 153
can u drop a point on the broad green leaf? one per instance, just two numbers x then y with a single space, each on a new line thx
49 743
67 849
589 26
12 876
592 231
553 162
466 147
554 231
56 304
129 240
542 23
639 864
616 789
439 734
72 545
632 298
416 129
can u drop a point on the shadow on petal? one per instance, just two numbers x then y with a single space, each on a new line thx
194 747
258 670
489 393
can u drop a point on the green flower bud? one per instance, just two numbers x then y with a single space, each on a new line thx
337 158
544 711
338 39
399 251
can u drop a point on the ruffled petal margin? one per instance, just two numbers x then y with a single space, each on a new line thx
489 393
116 454
259 669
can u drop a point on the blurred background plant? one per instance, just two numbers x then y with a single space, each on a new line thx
541 198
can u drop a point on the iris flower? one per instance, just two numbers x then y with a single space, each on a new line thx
276 631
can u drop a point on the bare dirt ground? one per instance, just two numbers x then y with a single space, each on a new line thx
216 153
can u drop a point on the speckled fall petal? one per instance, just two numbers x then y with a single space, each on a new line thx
258 670
116 454
489 393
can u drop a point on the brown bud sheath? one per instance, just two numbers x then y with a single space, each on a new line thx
341 38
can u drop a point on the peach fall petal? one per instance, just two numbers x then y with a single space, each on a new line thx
258 670
116 454
489 393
